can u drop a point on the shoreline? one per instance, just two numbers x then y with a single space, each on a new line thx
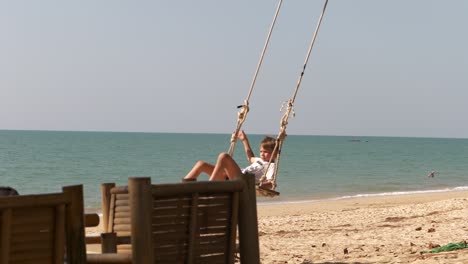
339 203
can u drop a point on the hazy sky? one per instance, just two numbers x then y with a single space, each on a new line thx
380 68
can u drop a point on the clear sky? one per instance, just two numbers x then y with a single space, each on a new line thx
379 68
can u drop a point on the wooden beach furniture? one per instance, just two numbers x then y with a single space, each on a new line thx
43 228
193 222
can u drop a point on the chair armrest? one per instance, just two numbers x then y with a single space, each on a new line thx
91 220
93 239
109 258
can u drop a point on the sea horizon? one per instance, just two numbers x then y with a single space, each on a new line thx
312 168
224 133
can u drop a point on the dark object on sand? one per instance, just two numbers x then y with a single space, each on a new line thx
7 191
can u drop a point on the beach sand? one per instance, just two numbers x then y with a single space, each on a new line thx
390 229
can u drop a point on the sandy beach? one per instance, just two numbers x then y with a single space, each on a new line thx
390 229
393 229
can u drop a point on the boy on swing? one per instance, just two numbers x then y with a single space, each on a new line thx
226 166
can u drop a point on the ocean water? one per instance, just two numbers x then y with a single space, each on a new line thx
311 168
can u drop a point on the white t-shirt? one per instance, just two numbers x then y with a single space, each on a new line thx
258 168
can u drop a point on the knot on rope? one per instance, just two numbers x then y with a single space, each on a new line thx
282 134
289 110
243 110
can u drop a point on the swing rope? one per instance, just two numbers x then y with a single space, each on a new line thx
244 109
290 109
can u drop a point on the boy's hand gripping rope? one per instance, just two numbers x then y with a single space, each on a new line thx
241 116
279 142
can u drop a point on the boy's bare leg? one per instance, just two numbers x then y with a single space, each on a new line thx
199 168
225 166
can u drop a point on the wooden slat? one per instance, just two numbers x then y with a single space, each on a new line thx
212 248
122 221
59 239
5 239
121 203
124 249
179 242
38 260
213 238
181 214
171 211
122 209
28 229
164 190
170 220
32 237
176 252
123 196
118 258
184 200
119 190
213 230
32 256
33 200
122 227
214 259
123 233
173 248
169 227
177 209
216 204
160 237
207 196
168 253
121 214
41 214
26 247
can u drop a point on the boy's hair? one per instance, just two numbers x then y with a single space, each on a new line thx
268 143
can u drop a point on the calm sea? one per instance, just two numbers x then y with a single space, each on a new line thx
312 167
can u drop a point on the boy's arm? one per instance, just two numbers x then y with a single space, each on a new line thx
245 141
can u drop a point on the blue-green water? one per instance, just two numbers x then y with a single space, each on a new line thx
312 167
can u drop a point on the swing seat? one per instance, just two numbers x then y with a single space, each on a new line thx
263 191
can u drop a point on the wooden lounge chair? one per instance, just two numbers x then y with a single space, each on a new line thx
194 222
43 228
